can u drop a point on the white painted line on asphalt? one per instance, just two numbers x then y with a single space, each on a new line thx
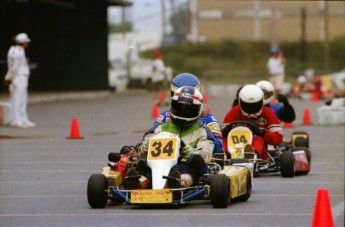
156 214
153 214
80 196
338 210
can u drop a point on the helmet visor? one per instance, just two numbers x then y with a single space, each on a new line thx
267 94
184 109
251 108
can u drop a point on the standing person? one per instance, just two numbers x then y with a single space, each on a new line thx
17 77
159 73
276 69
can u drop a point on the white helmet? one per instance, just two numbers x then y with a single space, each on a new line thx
301 80
251 100
22 38
268 90
186 106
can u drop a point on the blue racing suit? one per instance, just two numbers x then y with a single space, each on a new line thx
207 120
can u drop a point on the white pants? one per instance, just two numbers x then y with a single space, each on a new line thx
277 81
19 100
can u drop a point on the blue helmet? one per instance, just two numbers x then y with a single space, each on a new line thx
184 79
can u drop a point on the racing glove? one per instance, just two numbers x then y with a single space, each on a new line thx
144 147
261 132
283 99
186 152
127 149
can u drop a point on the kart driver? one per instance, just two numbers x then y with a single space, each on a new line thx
283 110
251 108
196 146
206 119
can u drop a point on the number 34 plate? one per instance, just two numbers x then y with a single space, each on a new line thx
151 196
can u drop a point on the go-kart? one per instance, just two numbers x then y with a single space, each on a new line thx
288 158
219 184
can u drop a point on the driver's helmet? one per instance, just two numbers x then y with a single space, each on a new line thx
186 106
268 90
184 79
251 101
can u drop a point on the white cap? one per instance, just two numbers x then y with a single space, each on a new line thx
22 38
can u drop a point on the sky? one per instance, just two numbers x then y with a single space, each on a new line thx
145 14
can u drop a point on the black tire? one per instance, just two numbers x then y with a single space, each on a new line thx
246 196
301 139
114 157
287 164
96 191
220 191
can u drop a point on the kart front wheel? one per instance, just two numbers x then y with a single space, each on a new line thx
287 164
96 191
220 191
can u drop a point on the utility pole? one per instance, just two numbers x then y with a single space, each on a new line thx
326 63
172 6
164 23
303 35
128 48
274 39
193 26
257 27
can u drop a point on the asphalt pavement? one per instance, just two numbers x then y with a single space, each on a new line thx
44 174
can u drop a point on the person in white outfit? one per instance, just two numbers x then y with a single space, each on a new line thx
276 69
159 72
17 77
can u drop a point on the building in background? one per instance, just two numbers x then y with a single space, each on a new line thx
258 20
69 41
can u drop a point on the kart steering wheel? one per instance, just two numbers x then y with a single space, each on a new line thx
252 126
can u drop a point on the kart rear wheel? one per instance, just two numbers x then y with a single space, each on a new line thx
300 139
246 196
220 191
96 191
287 165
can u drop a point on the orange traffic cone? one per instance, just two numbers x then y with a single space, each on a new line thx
155 111
161 98
288 125
306 117
205 98
322 211
208 110
75 134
